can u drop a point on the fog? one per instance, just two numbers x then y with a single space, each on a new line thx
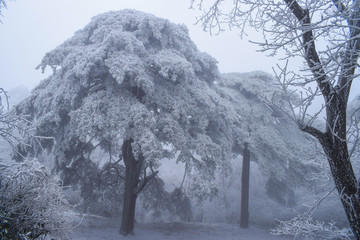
135 129
32 28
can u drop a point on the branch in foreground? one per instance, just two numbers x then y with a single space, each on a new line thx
312 131
304 227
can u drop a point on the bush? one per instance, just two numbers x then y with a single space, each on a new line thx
304 227
31 202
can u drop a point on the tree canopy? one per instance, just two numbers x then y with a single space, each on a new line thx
131 75
128 74
325 35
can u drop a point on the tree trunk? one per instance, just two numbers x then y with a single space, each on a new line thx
336 149
334 143
128 214
244 218
346 185
133 169
334 140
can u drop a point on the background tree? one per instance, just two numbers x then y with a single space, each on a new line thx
284 153
283 160
325 34
130 90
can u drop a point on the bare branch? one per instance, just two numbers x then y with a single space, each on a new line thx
339 5
3 92
145 181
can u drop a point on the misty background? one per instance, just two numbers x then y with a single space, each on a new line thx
30 29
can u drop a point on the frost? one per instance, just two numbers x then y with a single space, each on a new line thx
172 66
126 75
280 149
304 227
32 202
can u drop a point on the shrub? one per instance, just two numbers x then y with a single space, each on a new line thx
31 202
304 227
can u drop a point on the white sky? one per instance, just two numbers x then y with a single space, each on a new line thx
32 28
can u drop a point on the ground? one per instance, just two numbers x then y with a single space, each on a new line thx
95 228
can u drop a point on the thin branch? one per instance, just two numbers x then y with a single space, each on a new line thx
145 181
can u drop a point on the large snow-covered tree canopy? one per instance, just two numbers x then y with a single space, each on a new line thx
126 75
131 75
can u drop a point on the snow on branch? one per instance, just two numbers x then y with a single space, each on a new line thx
31 200
304 227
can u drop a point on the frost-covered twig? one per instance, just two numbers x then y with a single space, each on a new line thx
14 128
31 201
305 228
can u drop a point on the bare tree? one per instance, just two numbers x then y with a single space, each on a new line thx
325 35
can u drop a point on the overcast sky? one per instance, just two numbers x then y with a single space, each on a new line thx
32 28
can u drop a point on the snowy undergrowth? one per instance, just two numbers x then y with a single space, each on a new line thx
31 202
306 228
93 227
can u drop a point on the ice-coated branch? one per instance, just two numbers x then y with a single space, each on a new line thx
311 55
351 55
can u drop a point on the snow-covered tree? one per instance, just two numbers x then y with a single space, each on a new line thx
32 204
131 90
324 34
31 198
13 128
283 153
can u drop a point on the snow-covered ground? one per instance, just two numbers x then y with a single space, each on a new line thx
96 228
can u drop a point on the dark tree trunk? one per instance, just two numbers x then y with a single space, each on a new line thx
133 185
346 184
133 168
335 146
334 143
244 218
334 140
